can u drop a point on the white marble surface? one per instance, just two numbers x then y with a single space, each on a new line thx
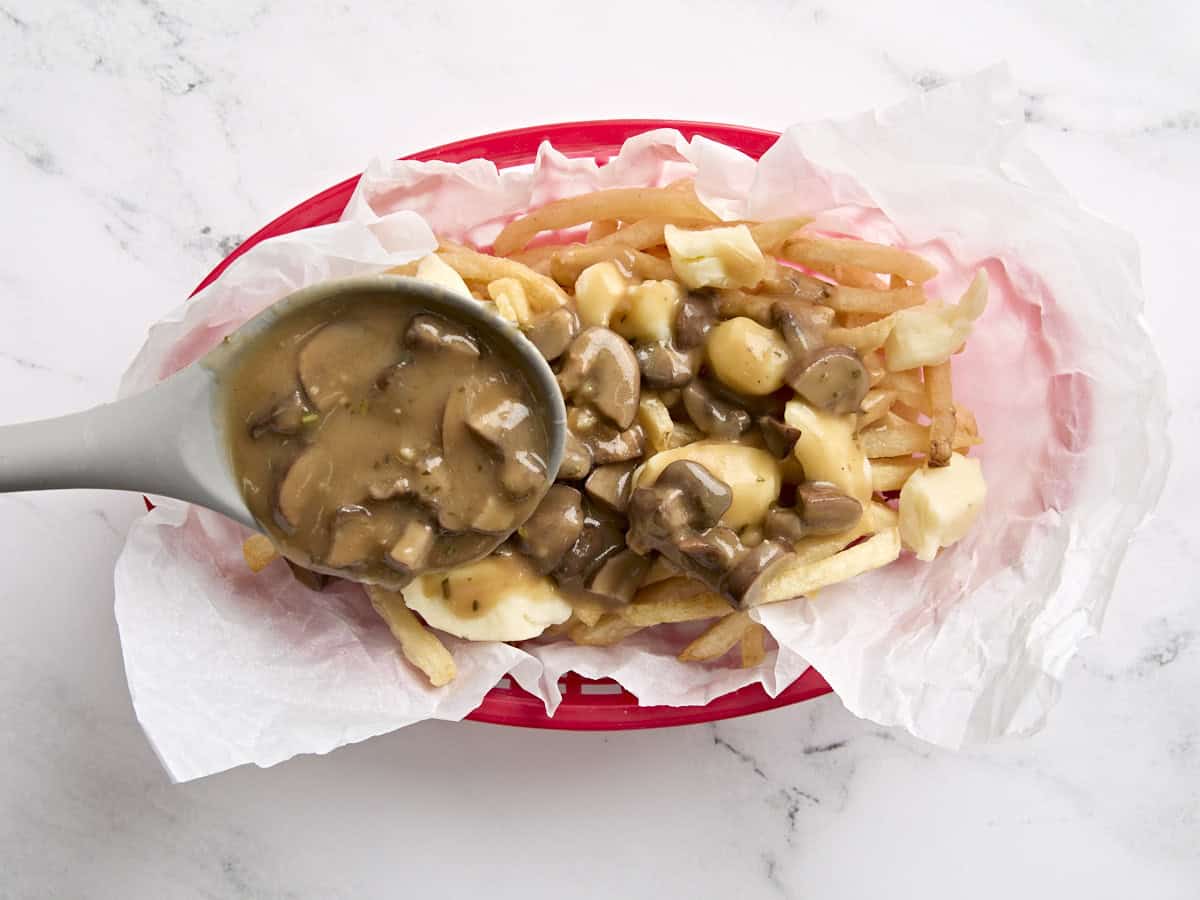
137 146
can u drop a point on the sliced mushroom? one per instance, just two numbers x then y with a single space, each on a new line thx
824 509
353 539
794 283
553 332
712 414
708 497
733 303
411 550
602 535
618 578
521 473
611 484
552 530
286 417
833 379
342 360
430 332
779 436
714 551
600 370
751 565
611 446
493 417
577 459
695 319
802 324
783 524
663 366
303 484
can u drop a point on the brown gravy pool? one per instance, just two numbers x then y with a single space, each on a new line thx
377 441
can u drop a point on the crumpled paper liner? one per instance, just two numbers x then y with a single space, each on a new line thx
226 667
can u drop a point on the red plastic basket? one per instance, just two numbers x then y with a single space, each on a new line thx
587 705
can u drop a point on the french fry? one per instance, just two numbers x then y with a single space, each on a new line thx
408 269
754 649
883 516
894 437
875 406
890 473
865 338
259 552
816 253
942 419
770 236
418 643
602 228
588 610
860 300
678 599
789 578
608 630
537 258
543 294
511 300
817 547
907 411
569 261
907 382
876 370
718 640
625 204
660 570
857 319
966 429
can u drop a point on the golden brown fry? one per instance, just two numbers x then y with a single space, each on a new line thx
544 295
718 640
942 421
408 269
816 253
588 610
818 547
890 472
569 261
908 381
894 437
770 236
678 599
883 516
418 643
865 338
881 303
907 411
660 570
857 319
602 228
754 649
876 368
259 552
875 406
537 258
625 204
609 630
790 578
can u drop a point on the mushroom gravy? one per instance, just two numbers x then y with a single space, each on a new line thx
378 441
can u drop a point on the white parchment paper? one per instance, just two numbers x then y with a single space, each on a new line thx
226 667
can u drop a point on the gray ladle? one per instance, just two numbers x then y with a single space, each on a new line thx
170 440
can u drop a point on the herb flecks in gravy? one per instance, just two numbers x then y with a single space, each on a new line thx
374 440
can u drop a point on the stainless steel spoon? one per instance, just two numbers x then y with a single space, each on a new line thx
170 440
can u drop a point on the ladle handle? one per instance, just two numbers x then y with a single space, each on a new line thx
163 441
